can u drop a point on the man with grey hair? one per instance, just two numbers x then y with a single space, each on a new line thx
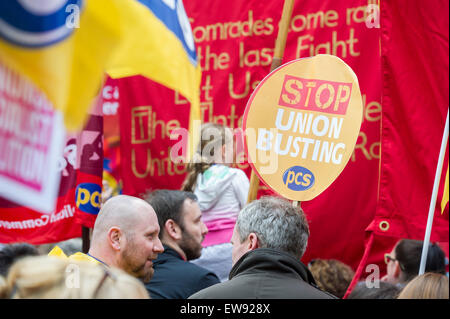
125 236
269 238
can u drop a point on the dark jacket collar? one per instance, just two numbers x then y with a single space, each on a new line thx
169 253
272 260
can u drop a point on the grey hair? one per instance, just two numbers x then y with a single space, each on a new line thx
277 224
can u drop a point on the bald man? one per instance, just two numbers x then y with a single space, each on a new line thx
126 236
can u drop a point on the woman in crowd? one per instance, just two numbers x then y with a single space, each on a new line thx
403 262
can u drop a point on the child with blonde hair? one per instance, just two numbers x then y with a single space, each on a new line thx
221 191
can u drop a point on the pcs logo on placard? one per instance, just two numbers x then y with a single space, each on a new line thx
89 197
298 178
38 23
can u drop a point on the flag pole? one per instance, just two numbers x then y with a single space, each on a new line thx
431 210
280 45
85 239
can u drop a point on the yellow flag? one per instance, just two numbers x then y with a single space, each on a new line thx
62 47
58 252
160 45
65 46
445 194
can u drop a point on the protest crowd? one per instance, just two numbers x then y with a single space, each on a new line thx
151 247
144 251
217 177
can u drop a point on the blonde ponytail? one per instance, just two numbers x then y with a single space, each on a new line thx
202 160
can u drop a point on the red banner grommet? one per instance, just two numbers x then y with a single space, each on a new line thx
384 225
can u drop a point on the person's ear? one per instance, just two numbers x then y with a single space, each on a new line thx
172 229
253 241
115 237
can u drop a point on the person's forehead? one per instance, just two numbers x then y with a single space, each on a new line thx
148 220
151 228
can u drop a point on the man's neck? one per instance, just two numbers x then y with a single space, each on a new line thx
100 257
175 247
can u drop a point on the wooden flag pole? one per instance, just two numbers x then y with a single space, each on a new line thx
85 239
431 210
280 45
283 29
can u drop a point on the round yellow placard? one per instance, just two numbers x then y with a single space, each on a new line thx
301 125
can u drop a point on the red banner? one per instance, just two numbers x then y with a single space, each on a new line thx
79 196
88 193
147 118
235 47
21 224
415 55
415 105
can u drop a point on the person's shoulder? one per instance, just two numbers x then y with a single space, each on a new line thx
200 272
185 270
316 293
218 291
238 173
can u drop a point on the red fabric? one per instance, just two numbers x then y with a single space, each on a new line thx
111 148
415 102
21 224
90 169
82 167
145 122
415 66
360 269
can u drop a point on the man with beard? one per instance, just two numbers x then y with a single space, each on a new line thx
125 236
182 232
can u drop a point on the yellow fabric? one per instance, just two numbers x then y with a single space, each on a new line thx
83 257
162 58
57 252
122 37
70 72
445 194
